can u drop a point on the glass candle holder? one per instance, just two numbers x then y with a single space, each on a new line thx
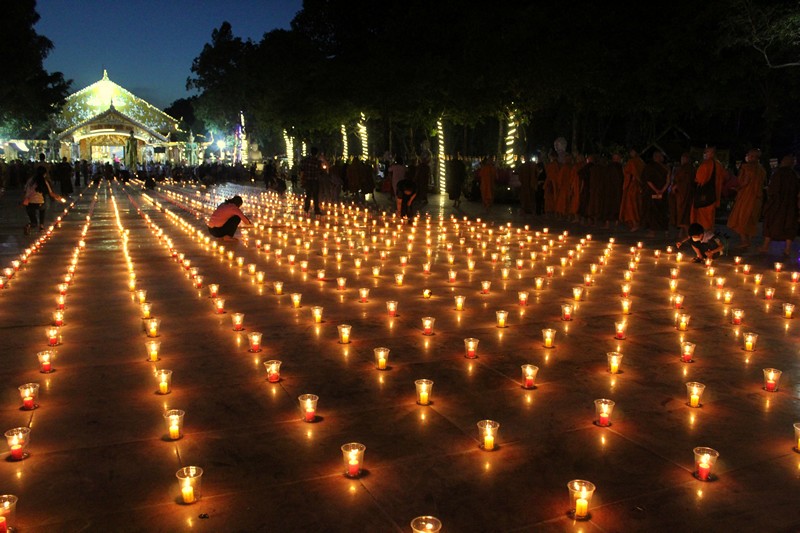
619 329
683 322
487 434
363 294
308 406
152 327
522 297
237 320
451 276
427 325
797 436
577 293
381 358
795 277
566 312
485 286
254 339
772 377
152 348
746 268
376 271
173 419
8 512
538 283
53 335
273 369
426 524
219 305
251 269
18 440
146 308
58 318
164 381
704 460
502 319
260 277
141 296
720 282
529 373
614 362
758 278
213 290
694 394
788 310
296 299
549 337
189 479
46 358
28 393
603 409
625 290
627 275
750 340
737 315
626 306
357 262
471 348
316 314
471 265
687 351
391 308
344 333
769 293
424 389
61 301
398 279
580 497
277 286
341 283
459 302
353 455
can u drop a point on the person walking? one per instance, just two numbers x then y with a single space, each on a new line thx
36 188
310 174
781 210
749 196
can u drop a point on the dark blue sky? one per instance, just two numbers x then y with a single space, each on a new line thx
147 46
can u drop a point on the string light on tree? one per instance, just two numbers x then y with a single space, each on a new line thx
511 137
345 146
289 141
442 174
362 132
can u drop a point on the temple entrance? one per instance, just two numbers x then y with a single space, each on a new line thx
108 153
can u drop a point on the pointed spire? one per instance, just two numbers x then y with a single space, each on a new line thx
105 74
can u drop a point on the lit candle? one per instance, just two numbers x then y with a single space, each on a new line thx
423 387
219 305
501 318
187 493
426 294
581 507
255 341
485 285
625 289
548 336
381 357
529 373
238 321
296 298
523 298
427 325
750 341
687 351
273 371
626 306
771 377
683 322
619 328
341 283
577 293
550 270
566 312
736 316
398 279
614 361
278 287
538 283
344 333
757 279
769 293
213 290
391 308
788 310
695 392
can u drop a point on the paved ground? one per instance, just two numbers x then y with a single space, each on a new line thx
100 460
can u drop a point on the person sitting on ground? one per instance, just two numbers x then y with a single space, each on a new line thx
706 244
406 193
226 218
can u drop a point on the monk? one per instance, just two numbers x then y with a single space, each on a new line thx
709 169
781 211
747 208
562 188
551 170
613 198
574 196
654 195
585 180
629 210
528 173
680 196
488 177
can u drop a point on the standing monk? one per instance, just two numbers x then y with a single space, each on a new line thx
616 177
528 179
747 209
780 214
488 177
655 180
629 210
574 194
680 196
562 187
704 207
551 170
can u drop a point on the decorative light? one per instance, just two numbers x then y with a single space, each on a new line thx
362 133
442 166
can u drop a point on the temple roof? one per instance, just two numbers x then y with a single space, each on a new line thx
112 120
103 95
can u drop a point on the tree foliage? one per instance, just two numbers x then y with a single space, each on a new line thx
29 94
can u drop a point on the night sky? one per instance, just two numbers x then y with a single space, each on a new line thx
147 46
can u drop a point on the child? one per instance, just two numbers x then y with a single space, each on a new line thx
705 244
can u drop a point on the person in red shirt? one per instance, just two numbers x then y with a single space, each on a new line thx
226 218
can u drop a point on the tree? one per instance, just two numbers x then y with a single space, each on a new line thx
29 94
771 28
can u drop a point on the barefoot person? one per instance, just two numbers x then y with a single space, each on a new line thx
781 211
226 218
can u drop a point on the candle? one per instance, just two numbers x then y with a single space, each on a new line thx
548 336
566 312
391 308
278 287
488 441
423 387
344 333
187 493
238 321
523 298
341 283
296 298
219 305
27 403
694 400
619 328
152 327
16 452
363 294
487 429
501 318
757 279
581 508
625 290
577 293
529 373
353 467
273 371
687 350
727 297
626 306
750 341
736 317
427 325
788 310
53 336
771 378
614 361
704 468
485 285
175 433
683 322
163 387
550 270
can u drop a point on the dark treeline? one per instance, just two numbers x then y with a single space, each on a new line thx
601 74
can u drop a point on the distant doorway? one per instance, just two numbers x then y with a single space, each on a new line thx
110 153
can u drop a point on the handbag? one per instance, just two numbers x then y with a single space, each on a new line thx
706 194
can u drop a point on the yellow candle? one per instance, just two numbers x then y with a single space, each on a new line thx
694 400
188 494
382 363
163 387
614 366
488 442
748 345
581 508
154 354
153 330
175 432
423 397
548 341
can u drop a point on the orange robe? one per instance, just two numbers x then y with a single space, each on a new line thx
747 208
705 215
630 211
574 197
551 186
563 189
488 176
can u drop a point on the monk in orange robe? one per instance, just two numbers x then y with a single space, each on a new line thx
630 207
487 174
551 170
574 196
708 169
562 195
747 208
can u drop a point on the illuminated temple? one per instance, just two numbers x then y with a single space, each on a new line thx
96 123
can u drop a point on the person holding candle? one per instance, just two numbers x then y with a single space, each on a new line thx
226 218
706 244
